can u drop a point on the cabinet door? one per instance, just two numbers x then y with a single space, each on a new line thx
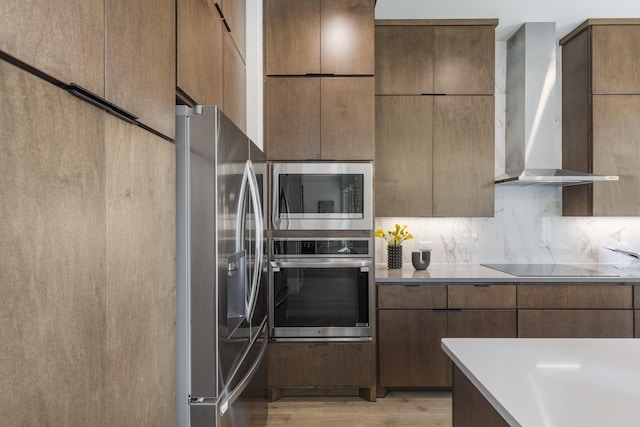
346 45
404 59
321 364
404 149
464 60
292 118
482 324
615 59
199 51
235 13
348 118
575 323
616 151
409 352
140 61
292 37
234 92
463 156
636 316
61 38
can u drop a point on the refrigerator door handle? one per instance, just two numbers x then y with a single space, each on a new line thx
235 393
259 237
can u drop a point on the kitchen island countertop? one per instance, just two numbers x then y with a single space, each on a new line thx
474 273
553 382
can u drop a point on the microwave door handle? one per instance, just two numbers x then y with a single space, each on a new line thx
254 191
328 263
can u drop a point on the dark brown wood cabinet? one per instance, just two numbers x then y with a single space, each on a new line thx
600 106
463 156
322 365
441 147
313 118
234 86
319 37
404 126
199 52
575 311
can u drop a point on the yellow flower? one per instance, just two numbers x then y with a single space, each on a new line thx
395 237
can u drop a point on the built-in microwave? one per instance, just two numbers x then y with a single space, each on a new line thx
322 196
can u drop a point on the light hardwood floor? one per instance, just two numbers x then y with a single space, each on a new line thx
407 408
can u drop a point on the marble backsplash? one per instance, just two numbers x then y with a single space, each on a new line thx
528 226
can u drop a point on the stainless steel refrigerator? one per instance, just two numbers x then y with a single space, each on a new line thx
221 289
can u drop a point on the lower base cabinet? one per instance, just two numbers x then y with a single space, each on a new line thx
316 365
409 353
575 323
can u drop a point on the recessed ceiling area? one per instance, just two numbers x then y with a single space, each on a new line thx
567 14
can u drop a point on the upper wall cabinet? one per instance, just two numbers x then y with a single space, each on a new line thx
140 56
199 58
211 68
121 51
61 38
327 37
443 57
600 110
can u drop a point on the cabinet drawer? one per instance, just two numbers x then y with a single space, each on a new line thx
575 323
481 296
636 297
321 364
574 296
636 316
402 296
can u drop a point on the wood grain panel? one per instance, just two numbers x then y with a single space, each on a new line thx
322 364
482 324
140 271
292 37
463 156
404 60
616 151
636 328
292 118
574 296
347 118
576 124
464 60
199 51
411 297
489 296
52 217
409 353
470 407
234 84
347 35
140 61
235 12
636 296
575 323
615 59
61 38
404 149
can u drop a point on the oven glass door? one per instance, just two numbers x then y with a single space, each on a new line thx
326 299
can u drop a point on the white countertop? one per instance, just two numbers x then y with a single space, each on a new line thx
554 382
478 273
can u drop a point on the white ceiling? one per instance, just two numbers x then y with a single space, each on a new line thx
567 14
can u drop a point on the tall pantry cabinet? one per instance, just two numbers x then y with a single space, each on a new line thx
87 213
435 117
319 84
600 111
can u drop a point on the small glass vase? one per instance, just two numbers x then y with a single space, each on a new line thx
394 257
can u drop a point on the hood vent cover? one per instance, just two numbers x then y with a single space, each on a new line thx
532 154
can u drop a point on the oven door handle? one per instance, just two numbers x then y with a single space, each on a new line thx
325 263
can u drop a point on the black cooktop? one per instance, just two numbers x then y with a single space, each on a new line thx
548 270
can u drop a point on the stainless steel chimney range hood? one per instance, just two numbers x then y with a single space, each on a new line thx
531 111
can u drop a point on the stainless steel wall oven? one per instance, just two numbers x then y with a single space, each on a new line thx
321 289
